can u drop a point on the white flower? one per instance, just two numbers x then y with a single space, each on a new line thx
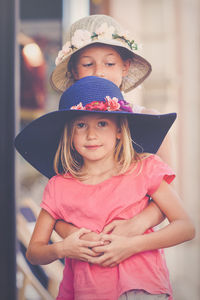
125 34
66 48
81 38
105 31
59 57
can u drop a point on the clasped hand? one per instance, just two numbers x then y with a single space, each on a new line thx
106 249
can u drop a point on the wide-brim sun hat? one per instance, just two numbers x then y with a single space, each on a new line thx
104 30
38 141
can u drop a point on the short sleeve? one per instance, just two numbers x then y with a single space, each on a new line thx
156 171
48 201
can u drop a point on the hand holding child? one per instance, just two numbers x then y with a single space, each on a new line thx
126 228
117 249
77 247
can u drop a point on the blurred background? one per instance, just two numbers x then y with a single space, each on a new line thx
32 32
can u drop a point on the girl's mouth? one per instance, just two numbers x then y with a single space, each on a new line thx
92 147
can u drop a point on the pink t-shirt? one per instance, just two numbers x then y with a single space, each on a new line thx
93 207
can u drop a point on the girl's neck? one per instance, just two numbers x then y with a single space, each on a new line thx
99 172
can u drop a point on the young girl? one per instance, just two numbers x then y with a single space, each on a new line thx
98 46
98 148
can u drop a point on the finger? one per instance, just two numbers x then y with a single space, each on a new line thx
108 228
91 244
109 262
82 231
100 249
106 237
105 261
113 265
91 253
98 260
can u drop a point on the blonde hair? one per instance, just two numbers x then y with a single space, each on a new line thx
67 159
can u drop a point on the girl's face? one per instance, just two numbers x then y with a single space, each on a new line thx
101 61
95 136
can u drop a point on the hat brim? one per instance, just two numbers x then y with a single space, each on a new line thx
39 140
139 69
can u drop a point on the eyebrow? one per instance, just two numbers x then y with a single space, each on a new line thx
88 56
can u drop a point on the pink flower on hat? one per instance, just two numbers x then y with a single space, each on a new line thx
81 38
97 105
112 103
78 107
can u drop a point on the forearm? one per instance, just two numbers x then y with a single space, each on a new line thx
176 232
64 229
148 218
137 225
39 253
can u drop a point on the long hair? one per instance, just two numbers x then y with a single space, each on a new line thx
67 159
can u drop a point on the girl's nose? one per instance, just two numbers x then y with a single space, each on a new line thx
91 132
99 72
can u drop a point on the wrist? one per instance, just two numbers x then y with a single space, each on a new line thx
139 225
137 244
59 249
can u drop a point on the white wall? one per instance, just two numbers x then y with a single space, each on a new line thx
169 31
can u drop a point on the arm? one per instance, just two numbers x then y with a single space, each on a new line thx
40 252
148 218
65 229
179 230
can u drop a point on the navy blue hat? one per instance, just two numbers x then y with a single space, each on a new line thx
39 140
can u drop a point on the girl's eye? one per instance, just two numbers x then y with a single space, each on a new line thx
102 123
110 64
80 125
87 65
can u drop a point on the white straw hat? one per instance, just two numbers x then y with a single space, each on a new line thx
98 29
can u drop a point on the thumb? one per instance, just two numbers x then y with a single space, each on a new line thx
106 238
82 231
108 228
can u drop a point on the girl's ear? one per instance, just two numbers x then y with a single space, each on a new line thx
126 66
118 134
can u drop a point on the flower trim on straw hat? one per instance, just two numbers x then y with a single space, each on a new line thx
83 37
98 29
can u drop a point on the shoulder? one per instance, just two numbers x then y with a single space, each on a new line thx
151 163
144 110
151 159
58 179
143 163
149 111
